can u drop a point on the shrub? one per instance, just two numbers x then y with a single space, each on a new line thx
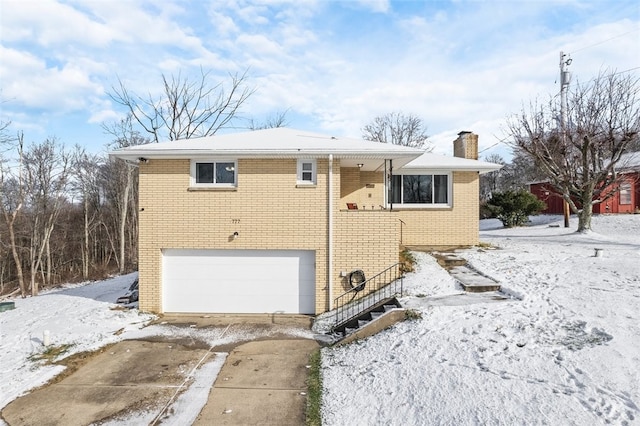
407 261
513 208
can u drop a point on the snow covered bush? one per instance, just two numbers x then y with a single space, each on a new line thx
513 208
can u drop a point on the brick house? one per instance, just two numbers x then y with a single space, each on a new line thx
273 220
626 198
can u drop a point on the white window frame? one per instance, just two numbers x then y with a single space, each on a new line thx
624 196
448 204
313 171
214 161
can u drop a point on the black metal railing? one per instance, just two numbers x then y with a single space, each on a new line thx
385 285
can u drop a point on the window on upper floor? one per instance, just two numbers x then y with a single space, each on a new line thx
306 172
213 173
421 190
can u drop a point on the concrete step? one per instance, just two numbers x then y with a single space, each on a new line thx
386 320
472 281
449 260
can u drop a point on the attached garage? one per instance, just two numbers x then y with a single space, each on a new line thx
238 281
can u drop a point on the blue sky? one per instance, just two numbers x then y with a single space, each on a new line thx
333 65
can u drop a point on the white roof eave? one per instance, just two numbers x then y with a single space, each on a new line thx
134 154
481 168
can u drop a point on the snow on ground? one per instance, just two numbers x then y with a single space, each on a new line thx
79 315
565 349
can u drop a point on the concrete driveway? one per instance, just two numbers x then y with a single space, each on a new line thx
261 382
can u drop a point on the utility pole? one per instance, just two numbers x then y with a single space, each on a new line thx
565 78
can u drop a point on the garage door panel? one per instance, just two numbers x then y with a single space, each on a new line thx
238 281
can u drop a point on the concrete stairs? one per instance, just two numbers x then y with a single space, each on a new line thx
469 279
380 316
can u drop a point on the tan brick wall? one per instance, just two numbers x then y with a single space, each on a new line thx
366 240
363 188
270 212
455 226
266 209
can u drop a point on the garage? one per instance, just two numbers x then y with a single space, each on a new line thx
238 281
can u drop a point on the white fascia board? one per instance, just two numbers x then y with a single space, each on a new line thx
432 162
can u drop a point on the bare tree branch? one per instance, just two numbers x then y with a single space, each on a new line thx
186 108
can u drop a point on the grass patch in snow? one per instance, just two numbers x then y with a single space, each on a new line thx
50 353
314 390
412 315
485 245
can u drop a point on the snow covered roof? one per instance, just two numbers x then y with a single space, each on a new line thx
629 161
428 161
283 142
272 143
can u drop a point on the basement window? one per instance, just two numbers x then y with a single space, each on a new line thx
214 173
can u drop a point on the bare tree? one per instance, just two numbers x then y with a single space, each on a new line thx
581 163
491 182
47 172
120 181
519 173
12 197
85 172
279 119
186 108
398 129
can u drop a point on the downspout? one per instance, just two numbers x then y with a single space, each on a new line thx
391 183
330 236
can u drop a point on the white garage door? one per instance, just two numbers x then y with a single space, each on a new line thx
238 281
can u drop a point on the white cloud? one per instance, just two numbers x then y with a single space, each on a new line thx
30 83
337 64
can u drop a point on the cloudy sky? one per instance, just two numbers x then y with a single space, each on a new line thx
333 65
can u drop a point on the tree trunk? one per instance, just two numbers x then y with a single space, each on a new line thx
14 251
585 214
123 219
85 245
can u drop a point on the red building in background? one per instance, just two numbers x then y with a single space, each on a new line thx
626 200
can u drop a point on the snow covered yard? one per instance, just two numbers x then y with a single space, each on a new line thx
565 350
81 316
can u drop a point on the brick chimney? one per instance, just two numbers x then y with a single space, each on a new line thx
466 146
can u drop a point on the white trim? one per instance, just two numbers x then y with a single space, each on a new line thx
447 205
313 171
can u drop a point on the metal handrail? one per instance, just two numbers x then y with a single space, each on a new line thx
385 285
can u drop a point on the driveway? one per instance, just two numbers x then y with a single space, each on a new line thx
141 381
